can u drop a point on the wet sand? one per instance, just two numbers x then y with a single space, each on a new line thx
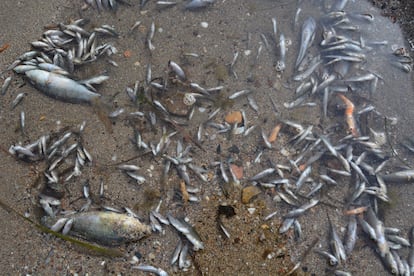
255 247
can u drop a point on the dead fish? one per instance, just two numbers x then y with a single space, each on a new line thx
188 231
302 209
306 172
176 253
150 36
262 174
6 85
107 5
391 263
107 228
287 223
197 4
398 240
20 69
336 244
177 70
315 62
183 262
50 67
18 99
60 87
351 235
152 269
165 4
332 259
308 33
95 80
378 227
281 63
401 176
22 121
16 149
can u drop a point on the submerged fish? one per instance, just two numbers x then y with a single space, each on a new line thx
308 33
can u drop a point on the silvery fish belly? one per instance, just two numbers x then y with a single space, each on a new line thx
60 87
107 228
307 36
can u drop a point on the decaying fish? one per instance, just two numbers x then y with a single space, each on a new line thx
60 87
105 5
152 269
401 176
197 4
308 33
188 231
5 85
314 160
336 244
107 228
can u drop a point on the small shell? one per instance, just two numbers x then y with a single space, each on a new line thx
189 99
288 41
204 24
280 66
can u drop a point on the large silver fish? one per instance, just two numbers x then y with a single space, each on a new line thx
308 34
107 228
60 87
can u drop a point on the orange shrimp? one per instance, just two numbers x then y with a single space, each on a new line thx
4 47
349 115
184 192
274 133
356 211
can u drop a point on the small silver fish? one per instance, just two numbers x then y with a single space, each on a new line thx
188 231
308 34
302 209
6 85
336 244
150 36
281 63
197 4
351 236
152 269
177 70
332 259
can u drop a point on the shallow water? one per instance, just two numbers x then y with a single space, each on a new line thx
233 26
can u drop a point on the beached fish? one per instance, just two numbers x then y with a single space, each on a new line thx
188 231
196 4
60 87
308 33
107 228
336 244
